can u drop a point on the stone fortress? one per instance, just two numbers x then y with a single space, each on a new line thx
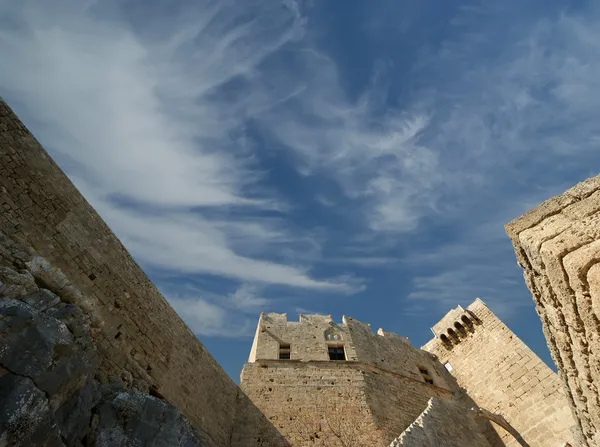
91 354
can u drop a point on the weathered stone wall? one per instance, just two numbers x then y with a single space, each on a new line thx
50 395
394 353
558 246
369 399
444 423
310 338
501 374
310 404
139 336
395 403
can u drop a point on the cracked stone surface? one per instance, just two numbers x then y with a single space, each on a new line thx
48 392
133 418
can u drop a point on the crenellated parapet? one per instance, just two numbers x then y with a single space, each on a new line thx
317 338
318 373
311 338
456 325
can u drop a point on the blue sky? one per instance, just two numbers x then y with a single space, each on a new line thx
335 157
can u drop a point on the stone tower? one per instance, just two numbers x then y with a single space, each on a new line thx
324 383
503 375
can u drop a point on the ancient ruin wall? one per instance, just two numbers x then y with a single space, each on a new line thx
139 336
373 396
558 246
502 375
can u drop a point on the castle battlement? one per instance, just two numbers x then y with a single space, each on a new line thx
459 323
317 338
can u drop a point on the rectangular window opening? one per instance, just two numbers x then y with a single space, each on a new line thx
284 351
336 353
426 375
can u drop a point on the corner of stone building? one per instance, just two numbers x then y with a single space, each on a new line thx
501 374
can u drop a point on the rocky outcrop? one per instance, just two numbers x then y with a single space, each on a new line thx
49 392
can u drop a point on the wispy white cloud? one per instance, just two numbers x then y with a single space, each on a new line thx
207 313
151 121
247 297
372 152
203 317
141 121
517 129
481 114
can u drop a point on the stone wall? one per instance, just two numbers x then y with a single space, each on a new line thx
394 353
501 374
310 337
310 404
558 246
50 393
381 388
139 336
444 423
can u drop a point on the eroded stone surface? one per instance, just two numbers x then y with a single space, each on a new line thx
131 418
369 399
48 392
558 246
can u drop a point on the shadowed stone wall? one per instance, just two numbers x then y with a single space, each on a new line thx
502 375
558 246
139 336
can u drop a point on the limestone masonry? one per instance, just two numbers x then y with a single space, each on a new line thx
558 246
91 354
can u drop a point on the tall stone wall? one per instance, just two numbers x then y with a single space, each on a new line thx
502 375
50 393
310 404
139 336
369 399
558 246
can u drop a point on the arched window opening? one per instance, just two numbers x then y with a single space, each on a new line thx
445 339
474 317
468 323
460 328
453 335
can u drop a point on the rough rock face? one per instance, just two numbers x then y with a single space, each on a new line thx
132 418
48 392
558 246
